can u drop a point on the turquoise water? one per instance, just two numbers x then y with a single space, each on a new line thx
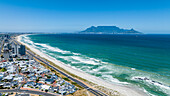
139 60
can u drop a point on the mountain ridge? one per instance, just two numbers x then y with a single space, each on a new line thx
108 30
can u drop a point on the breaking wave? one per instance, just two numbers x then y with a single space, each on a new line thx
105 70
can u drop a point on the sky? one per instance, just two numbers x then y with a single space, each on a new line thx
147 16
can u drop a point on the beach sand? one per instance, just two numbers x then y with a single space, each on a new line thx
122 89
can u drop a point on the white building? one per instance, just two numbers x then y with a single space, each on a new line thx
45 87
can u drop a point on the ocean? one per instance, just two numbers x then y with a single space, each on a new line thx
136 60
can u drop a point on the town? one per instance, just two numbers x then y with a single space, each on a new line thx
19 70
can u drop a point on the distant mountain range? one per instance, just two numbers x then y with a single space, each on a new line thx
108 30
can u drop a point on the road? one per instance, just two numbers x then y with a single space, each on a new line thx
27 91
95 92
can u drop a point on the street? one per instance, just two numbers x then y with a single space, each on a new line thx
26 91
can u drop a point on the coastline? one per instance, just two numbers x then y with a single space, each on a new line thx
122 89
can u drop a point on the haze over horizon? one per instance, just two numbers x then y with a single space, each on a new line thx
77 15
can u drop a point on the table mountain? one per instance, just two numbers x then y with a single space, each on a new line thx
108 30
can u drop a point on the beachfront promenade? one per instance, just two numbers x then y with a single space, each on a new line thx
95 92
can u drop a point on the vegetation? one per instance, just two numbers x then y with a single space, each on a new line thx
2 56
46 90
66 79
62 84
19 70
1 87
37 80
3 70
22 85
74 83
48 77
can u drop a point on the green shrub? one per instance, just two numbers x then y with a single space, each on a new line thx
66 79
3 69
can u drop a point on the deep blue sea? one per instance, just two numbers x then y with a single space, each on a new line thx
138 60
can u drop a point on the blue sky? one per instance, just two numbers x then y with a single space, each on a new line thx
148 16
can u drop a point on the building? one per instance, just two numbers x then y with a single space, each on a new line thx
45 87
7 36
17 50
21 50
49 81
14 49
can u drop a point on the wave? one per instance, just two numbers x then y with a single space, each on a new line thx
84 60
97 67
55 49
161 86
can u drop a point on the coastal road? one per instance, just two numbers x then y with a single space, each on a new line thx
27 91
95 92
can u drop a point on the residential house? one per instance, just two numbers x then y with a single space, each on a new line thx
49 81
45 87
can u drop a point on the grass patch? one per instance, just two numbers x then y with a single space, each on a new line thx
3 70
66 79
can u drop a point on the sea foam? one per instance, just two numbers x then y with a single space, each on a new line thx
96 66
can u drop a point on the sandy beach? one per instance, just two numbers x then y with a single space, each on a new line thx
122 89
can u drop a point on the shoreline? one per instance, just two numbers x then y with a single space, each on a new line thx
122 89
